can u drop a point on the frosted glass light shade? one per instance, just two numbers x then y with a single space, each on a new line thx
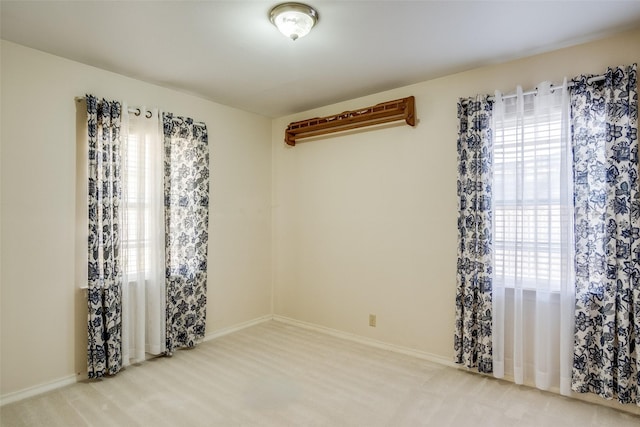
294 20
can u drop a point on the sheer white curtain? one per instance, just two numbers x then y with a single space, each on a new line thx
533 239
143 237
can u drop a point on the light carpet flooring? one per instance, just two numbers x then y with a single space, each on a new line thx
276 374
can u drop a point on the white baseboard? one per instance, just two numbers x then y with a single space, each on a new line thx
368 341
234 328
35 390
71 379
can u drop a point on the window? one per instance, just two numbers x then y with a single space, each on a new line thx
135 159
528 193
142 198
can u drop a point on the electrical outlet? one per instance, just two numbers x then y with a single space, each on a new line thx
372 320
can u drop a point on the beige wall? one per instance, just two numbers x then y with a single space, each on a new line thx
42 311
366 223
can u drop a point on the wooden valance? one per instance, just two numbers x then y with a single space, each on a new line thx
391 111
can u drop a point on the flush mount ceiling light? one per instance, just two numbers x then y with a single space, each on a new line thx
294 20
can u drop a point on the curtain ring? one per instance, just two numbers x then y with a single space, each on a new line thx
137 113
148 115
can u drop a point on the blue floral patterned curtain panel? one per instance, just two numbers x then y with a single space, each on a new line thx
186 227
472 340
607 221
104 269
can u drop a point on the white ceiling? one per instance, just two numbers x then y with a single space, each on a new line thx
229 52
